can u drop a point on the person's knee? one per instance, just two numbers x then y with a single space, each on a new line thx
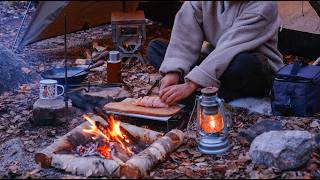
156 51
243 62
243 66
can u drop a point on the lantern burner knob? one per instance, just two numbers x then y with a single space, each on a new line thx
209 91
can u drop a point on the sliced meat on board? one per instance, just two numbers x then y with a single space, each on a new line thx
151 101
130 106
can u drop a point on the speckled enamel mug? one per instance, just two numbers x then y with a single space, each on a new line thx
49 89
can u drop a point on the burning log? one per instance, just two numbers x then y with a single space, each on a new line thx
44 157
87 166
139 165
97 149
120 153
135 140
69 142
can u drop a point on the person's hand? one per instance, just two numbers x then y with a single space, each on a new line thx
169 79
174 93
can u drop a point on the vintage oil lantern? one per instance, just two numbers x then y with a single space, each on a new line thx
212 123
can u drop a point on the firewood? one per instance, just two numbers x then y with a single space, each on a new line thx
140 164
44 157
88 54
136 134
67 145
86 166
120 153
141 134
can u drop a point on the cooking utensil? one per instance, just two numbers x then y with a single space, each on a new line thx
102 85
97 64
59 75
129 106
75 74
153 86
103 54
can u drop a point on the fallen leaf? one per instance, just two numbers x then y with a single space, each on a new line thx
194 153
14 169
25 70
200 159
181 155
219 168
96 46
10 131
189 173
24 88
88 54
201 164
30 149
186 164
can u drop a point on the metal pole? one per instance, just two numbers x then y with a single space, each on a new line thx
24 17
65 63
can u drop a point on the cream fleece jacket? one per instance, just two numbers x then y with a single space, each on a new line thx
231 27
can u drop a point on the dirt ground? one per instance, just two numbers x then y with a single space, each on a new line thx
185 163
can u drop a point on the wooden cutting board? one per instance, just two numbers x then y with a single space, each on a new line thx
128 106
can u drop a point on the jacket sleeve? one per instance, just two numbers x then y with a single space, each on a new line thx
250 30
186 39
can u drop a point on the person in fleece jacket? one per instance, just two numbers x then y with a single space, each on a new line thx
244 58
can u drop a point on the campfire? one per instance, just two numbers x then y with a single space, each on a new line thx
104 146
108 140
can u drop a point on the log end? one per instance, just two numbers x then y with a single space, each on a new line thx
130 172
176 135
43 160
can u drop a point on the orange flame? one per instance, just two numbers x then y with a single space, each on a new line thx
212 123
105 151
111 133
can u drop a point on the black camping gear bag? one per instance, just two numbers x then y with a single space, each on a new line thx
296 90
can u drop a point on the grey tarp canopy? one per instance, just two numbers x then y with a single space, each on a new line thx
299 15
48 19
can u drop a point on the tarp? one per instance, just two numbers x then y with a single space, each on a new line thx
48 20
299 15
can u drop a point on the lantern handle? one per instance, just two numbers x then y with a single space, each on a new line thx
193 117
227 119
198 100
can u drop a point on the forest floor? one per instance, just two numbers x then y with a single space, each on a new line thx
186 162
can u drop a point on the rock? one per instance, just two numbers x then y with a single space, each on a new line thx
261 106
12 156
259 128
11 70
50 112
13 169
315 123
284 150
317 141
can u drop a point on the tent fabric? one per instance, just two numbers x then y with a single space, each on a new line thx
48 20
299 16
45 14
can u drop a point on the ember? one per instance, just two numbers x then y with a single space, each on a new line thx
106 139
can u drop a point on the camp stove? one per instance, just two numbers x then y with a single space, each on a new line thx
128 32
